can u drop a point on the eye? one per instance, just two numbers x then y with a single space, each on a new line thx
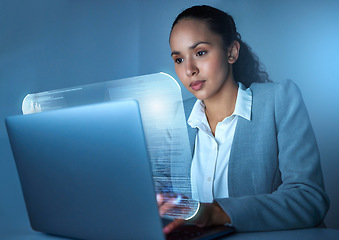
200 53
178 60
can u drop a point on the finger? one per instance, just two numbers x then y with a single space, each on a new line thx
173 225
160 199
172 203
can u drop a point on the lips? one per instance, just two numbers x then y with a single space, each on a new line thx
197 85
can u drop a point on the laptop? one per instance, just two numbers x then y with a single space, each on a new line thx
85 172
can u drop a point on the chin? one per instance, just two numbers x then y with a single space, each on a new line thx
200 97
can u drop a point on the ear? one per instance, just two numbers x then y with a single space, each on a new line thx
233 52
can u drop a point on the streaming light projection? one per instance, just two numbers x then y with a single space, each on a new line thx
162 113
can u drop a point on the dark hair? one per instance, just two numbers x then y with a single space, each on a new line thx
247 69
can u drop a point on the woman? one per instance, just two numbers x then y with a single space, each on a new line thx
255 165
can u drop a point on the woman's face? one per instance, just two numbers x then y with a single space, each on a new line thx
200 60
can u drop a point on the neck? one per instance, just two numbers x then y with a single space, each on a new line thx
222 104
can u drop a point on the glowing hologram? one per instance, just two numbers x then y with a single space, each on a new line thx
162 112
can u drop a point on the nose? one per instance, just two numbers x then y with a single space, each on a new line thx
191 68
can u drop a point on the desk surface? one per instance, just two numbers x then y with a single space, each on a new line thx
310 234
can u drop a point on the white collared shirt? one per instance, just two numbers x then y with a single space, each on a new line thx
209 170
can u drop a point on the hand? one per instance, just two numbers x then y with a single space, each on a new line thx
176 205
209 214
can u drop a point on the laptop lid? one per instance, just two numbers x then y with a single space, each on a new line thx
85 172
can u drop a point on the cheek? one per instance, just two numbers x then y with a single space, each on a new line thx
219 68
218 64
180 73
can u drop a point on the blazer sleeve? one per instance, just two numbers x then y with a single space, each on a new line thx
300 201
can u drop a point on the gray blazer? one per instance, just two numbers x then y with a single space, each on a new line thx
275 178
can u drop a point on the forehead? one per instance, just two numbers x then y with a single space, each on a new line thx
189 31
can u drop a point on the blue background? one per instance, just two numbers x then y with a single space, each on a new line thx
52 44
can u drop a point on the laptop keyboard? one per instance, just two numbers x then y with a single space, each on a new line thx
194 232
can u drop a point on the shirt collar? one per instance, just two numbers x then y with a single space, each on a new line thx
243 108
198 116
243 105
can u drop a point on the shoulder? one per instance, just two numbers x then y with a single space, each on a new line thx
284 92
283 87
277 99
285 99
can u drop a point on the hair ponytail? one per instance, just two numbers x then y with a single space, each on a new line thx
247 69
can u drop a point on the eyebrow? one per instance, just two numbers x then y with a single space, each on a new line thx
191 47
